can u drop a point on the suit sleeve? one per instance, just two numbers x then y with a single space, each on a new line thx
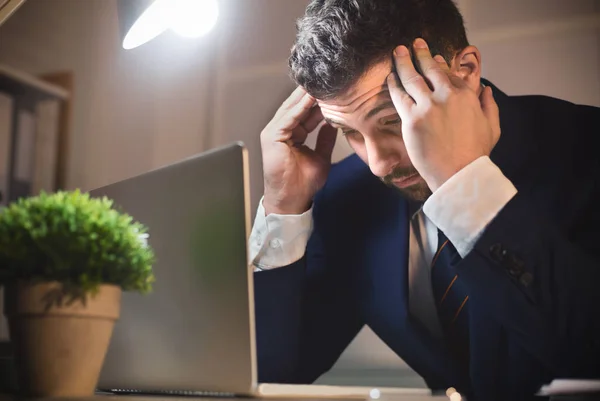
541 286
541 281
306 312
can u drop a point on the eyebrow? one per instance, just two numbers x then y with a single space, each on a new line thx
334 122
381 107
384 106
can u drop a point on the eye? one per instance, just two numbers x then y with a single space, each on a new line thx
351 135
393 121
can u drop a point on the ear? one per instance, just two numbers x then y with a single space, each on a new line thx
467 66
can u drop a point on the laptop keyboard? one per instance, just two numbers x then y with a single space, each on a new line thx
123 391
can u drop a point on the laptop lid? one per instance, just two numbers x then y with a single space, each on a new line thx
195 331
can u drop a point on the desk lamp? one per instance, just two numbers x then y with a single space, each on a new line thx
142 20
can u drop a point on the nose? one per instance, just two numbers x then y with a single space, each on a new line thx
382 154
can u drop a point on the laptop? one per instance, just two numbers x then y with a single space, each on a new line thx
194 333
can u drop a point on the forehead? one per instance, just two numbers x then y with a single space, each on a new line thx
368 91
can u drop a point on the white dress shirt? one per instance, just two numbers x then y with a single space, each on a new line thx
461 208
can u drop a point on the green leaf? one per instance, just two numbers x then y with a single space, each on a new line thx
71 237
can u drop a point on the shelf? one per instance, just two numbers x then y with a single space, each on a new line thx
19 83
8 7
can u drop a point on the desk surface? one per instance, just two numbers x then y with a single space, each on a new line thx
4 397
407 397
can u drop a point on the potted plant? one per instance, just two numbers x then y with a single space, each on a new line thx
64 260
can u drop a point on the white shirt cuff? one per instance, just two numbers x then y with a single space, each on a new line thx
465 204
278 240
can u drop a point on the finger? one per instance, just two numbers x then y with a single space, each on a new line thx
490 109
296 96
296 113
430 68
297 137
456 81
326 141
313 119
403 102
442 62
413 82
305 127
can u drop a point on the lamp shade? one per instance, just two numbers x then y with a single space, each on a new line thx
132 13
143 20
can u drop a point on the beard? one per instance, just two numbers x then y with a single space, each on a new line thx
418 192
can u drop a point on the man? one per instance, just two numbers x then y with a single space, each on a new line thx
463 230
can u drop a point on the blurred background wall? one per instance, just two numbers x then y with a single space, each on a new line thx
171 98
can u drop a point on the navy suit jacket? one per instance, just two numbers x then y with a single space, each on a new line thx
533 277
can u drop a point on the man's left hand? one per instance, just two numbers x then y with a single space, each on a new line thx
445 124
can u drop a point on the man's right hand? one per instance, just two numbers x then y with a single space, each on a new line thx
293 173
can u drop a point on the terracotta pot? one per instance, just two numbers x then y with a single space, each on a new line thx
59 343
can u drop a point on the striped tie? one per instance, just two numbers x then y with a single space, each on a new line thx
451 299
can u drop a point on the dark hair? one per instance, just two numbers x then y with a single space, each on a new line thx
337 41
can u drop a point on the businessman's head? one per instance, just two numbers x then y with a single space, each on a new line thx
338 41
343 54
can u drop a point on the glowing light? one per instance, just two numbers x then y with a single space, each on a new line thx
194 18
187 18
154 21
374 394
